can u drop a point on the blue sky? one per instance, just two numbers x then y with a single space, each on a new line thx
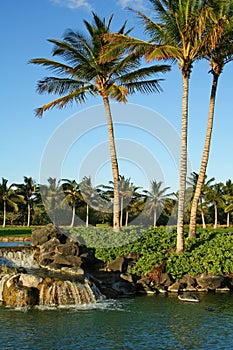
25 27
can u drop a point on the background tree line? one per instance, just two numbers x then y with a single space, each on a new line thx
29 203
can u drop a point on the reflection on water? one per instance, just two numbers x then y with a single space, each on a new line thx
152 322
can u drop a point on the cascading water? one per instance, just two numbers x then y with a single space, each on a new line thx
18 256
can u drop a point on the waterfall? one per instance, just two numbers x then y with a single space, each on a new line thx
24 289
68 293
18 256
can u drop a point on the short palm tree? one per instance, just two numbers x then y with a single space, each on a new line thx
9 198
177 34
228 199
218 51
89 195
28 191
215 196
83 75
73 195
156 198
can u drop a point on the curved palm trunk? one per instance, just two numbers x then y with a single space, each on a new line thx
203 219
115 171
183 166
204 161
4 214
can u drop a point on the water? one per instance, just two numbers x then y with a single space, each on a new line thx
147 322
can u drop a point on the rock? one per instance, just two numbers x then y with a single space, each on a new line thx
16 296
50 245
29 280
73 270
175 287
67 249
38 237
124 288
119 264
68 260
165 280
127 277
210 282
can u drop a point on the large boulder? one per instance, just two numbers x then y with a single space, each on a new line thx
210 282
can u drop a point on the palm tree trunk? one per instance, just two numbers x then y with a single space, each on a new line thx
228 219
4 214
115 171
183 166
121 216
215 216
203 218
126 218
205 157
155 217
73 215
29 215
87 216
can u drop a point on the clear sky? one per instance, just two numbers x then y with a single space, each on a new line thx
147 130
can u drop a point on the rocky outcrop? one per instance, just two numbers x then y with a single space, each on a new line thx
56 251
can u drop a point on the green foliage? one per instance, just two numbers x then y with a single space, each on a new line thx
210 252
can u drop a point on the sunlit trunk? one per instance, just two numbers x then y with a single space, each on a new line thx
122 207
115 171
204 161
73 216
155 218
4 214
183 166
126 217
228 219
215 216
29 215
203 219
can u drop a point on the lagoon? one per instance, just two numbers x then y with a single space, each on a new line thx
143 322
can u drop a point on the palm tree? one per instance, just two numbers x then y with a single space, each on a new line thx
218 51
156 197
215 196
28 191
177 34
193 180
89 195
53 198
84 75
9 197
73 195
228 199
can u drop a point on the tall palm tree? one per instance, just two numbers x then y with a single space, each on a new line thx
156 198
73 195
9 197
28 191
218 51
84 75
177 34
